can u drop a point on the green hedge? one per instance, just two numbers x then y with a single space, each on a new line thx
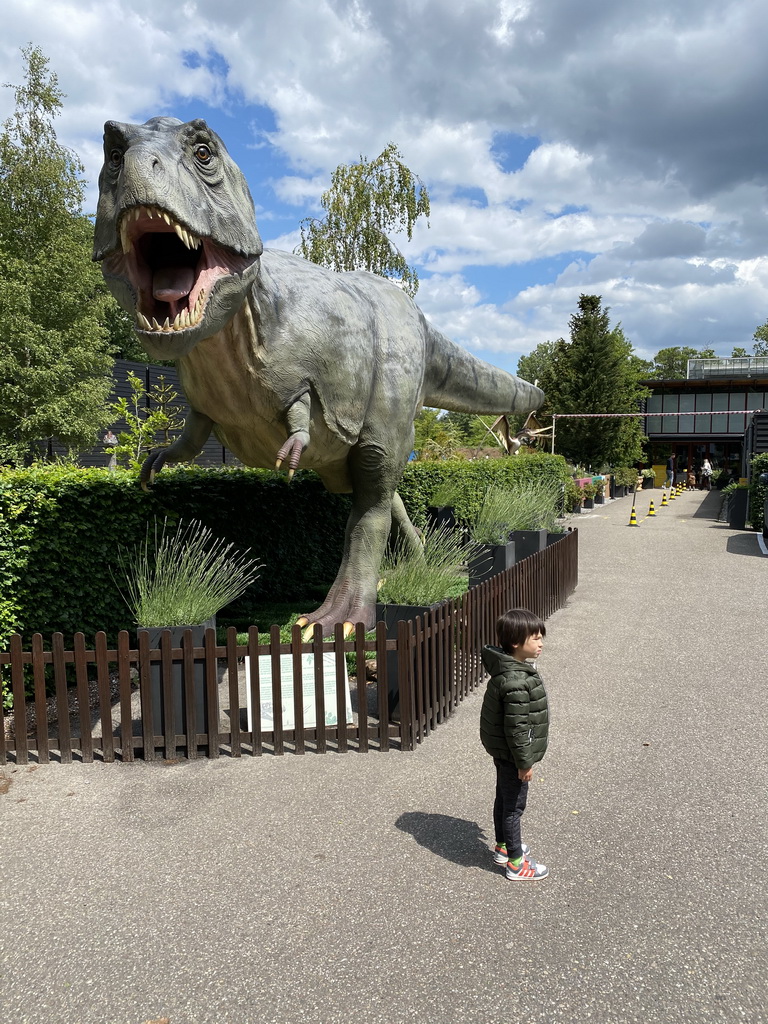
758 492
62 530
470 480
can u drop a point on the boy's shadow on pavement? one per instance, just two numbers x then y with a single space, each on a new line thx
454 839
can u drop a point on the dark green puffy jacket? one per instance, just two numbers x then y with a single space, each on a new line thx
514 720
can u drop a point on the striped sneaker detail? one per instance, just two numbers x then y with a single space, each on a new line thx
527 870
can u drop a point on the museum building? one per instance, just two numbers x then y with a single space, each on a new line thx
708 414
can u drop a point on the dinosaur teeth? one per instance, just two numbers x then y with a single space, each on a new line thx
186 318
125 241
191 241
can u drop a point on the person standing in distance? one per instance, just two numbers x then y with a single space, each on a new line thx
514 729
670 481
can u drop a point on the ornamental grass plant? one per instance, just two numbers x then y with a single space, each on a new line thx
533 507
427 575
183 575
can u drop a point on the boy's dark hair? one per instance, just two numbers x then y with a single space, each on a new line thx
515 626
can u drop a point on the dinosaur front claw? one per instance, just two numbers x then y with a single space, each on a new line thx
291 450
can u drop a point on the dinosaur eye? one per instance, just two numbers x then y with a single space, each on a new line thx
116 157
202 154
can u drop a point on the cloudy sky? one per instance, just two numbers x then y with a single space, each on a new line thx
593 146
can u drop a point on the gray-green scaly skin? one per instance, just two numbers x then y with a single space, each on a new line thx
282 359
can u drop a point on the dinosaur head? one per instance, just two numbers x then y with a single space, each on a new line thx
175 231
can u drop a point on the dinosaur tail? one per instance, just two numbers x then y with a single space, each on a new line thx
458 381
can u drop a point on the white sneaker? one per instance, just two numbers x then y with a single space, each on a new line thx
528 870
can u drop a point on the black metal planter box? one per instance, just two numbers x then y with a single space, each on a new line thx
177 691
391 615
490 560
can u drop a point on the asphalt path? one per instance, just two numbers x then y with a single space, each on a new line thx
360 887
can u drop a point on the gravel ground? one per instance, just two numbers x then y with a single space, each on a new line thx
360 888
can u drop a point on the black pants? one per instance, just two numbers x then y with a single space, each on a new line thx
511 798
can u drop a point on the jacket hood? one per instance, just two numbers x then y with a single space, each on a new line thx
496 661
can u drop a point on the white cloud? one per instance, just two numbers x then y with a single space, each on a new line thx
648 150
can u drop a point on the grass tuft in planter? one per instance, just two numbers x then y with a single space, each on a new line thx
426 576
533 507
183 575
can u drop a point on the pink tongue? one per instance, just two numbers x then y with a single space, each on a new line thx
172 283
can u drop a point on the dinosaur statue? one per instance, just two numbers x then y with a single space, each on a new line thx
283 360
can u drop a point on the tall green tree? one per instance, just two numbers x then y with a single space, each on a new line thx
366 202
594 373
672 363
537 365
760 338
55 360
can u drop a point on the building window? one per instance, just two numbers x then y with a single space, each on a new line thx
687 404
703 424
669 424
737 424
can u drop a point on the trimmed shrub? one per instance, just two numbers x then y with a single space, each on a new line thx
758 492
62 531
469 481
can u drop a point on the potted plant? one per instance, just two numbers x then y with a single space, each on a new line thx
522 515
178 579
599 483
589 491
649 478
574 496
489 531
735 507
415 580
442 504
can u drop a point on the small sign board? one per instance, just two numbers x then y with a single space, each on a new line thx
287 690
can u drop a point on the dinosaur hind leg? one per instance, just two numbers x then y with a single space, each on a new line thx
403 530
352 598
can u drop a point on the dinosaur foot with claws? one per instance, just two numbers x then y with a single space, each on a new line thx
349 613
291 450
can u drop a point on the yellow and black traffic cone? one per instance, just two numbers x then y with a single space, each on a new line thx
664 502
651 510
633 518
672 494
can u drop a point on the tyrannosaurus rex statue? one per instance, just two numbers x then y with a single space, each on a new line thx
282 359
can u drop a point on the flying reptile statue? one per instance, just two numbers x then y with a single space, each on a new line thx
287 363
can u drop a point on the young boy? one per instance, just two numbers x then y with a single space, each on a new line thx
514 726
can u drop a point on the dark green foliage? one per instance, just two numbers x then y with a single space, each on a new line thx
672 363
61 530
760 338
574 496
54 353
594 373
758 492
421 480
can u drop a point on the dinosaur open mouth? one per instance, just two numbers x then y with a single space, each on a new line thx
172 271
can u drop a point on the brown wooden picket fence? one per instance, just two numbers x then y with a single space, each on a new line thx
133 702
